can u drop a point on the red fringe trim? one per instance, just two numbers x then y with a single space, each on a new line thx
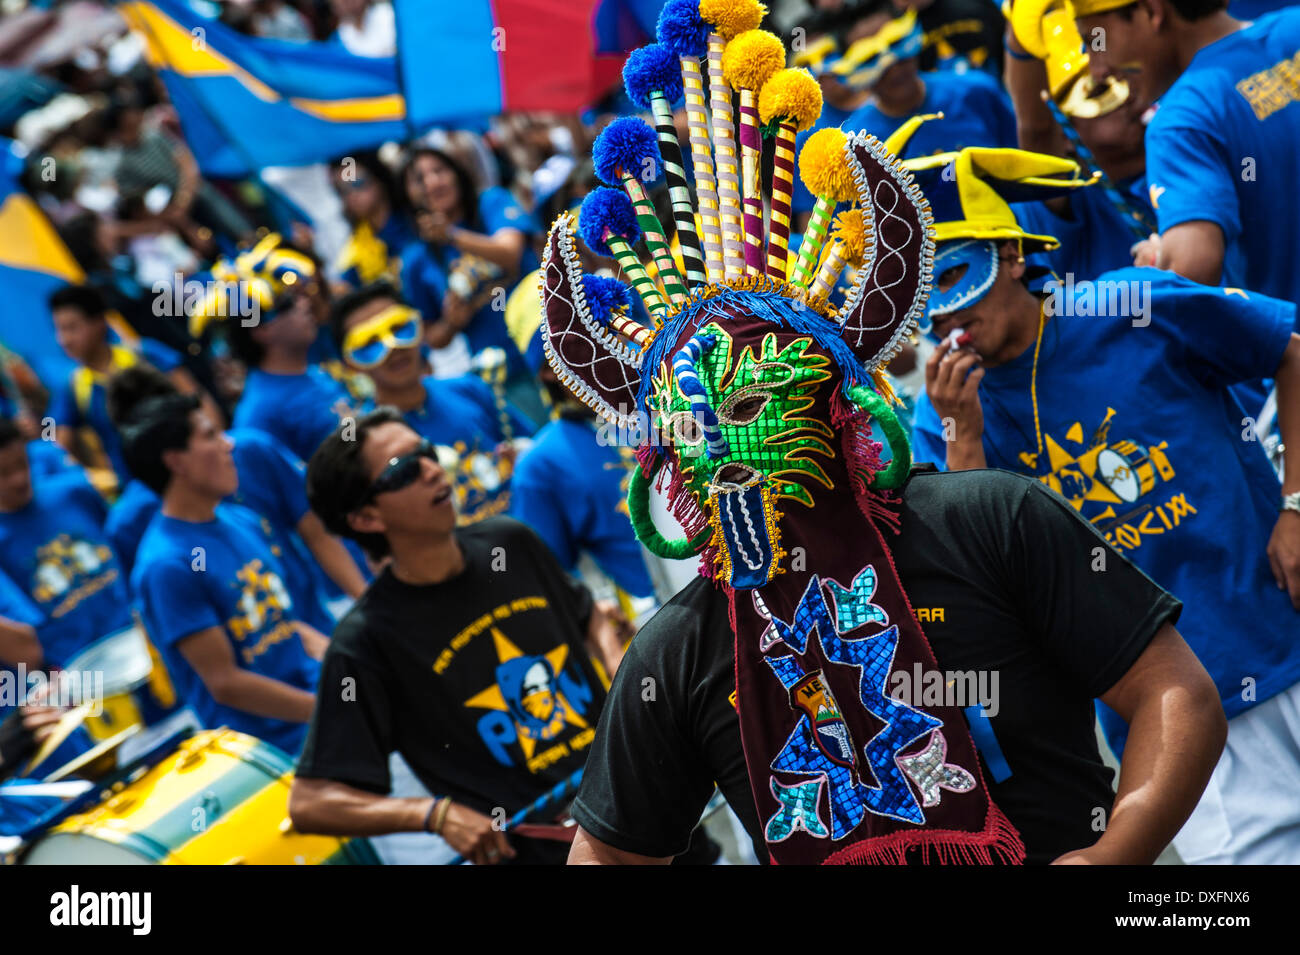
999 842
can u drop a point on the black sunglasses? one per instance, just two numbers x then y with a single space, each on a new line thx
401 472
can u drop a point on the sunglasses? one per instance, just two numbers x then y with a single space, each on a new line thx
401 471
369 343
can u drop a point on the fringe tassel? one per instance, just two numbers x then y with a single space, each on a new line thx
998 843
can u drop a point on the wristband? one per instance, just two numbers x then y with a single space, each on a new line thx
429 815
442 815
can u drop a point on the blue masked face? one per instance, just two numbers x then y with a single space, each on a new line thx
980 256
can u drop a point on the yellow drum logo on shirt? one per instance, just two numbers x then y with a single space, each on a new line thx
70 569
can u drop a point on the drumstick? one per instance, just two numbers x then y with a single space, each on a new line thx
557 794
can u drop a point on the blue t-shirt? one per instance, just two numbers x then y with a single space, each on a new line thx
464 410
425 270
82 402
572 491
55 549
127 521
1140 435
1096 236
47 458
192 576
1223 148
300 411
271 484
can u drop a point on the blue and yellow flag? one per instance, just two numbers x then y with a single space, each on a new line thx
246 103
33 263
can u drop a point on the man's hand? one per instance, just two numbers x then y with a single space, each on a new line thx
952 380
313 641
1147 251
40 721
472 835
1284 554
608 633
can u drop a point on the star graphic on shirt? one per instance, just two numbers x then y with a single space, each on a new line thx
1156 193
539 708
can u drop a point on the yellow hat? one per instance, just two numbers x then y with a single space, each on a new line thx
1090 8
1046 29
970 191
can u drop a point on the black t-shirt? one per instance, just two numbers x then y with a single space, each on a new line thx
1000 572
481 682
972 29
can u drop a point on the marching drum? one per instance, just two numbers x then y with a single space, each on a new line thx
125 663
220 799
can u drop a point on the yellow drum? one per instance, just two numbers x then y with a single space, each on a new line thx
221 799
119 670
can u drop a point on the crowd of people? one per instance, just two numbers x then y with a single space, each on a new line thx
358 516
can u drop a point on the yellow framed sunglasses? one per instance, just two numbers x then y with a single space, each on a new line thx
397 326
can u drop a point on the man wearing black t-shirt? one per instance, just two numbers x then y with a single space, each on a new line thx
1008 580
470 655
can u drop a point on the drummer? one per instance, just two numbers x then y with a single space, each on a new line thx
210 590
1116 396
470 654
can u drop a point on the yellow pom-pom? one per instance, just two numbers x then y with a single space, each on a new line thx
751 58
792 95
851 232
824 168
732 17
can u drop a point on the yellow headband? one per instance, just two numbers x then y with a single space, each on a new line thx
862 51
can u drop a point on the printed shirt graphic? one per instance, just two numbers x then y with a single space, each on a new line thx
482 683
1222 148
55 549
300 411
572 491
189 577
1141 436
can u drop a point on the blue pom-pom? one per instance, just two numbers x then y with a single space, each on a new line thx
604 209
627 143
604 295
682 30
652 68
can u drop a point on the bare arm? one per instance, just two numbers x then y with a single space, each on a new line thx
333 808
1284 545
1176 732
1026 80
19 644
588 850
503 247
1193 250
608 631
332 556
210 653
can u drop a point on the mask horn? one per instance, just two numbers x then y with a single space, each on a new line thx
893 280
590 358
